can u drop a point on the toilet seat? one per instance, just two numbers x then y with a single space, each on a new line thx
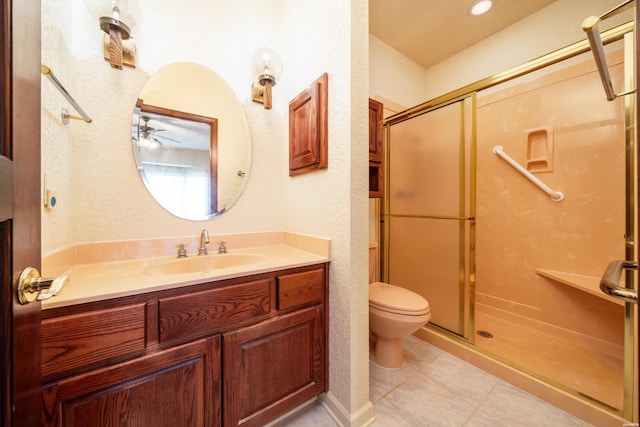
397 300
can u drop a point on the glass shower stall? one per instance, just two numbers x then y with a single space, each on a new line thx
507 265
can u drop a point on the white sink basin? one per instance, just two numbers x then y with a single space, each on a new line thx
203 264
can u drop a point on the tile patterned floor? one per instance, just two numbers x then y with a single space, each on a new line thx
435 388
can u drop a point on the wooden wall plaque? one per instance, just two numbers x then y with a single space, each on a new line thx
308 147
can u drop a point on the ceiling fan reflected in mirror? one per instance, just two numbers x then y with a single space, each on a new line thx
148 136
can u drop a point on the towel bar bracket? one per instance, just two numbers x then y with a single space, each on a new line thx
66 117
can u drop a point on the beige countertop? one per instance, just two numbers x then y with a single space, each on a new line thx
98 281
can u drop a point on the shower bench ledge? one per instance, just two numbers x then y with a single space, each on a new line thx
587 284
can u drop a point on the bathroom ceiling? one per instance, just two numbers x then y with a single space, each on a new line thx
428 31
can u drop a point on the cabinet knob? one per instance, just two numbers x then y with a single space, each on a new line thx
31 286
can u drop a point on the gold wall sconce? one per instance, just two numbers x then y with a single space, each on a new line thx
117 18
268 66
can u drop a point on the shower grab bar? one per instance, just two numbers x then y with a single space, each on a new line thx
556 196
611 277
46 71
590 26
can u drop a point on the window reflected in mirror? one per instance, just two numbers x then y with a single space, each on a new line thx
191 141
177 154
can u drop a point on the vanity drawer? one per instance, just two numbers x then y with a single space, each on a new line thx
207 311
84 339
299 289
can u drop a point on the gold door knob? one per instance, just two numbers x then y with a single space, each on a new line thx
31 286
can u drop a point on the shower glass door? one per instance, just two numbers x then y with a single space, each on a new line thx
430 211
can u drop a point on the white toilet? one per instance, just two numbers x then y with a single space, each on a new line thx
394 313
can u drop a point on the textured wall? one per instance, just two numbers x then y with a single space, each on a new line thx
106 200
331 36
57 229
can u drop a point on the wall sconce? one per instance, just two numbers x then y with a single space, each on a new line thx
117 19
268 67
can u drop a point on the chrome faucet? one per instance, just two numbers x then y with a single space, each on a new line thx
204 239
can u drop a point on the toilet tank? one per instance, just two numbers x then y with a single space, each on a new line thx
373 250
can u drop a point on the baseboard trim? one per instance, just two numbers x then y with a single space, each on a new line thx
363 417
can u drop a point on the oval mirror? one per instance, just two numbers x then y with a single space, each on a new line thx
191 141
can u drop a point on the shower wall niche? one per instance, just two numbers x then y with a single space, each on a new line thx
538 149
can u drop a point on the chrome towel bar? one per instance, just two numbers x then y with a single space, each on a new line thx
556 196
46 71
590 26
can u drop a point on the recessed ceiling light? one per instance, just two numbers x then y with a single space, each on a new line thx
480 6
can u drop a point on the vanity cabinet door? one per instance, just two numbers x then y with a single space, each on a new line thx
175 387
376 111
82 341
376 155
272 367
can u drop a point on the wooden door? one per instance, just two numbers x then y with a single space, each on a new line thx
19 208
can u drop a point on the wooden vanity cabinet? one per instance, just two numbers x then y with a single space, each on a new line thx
237 351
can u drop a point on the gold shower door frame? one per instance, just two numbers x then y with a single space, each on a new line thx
624 31
462 211
631 250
